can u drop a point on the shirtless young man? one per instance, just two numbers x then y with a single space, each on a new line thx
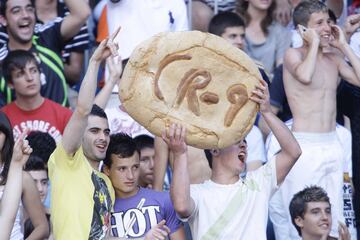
311 76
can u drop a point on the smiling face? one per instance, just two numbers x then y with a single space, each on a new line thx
19 20
26 81
124 174
320 22
316 221
96 138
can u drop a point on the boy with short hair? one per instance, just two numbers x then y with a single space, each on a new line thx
136 209
30 110
145 144
310 212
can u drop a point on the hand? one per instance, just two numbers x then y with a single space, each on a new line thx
175 138
282 12
262 97
343 232
352 23
158 232
106 48
22 150
339 39
308 35
115 68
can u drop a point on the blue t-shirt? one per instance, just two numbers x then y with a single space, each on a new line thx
147 208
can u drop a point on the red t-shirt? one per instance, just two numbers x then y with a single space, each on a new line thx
50 117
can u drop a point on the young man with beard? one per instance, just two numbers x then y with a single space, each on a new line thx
136 209
310 212
81 196
46 42
227 206
311 77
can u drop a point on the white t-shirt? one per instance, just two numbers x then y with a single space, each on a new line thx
235 211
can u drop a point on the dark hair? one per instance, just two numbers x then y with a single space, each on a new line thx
298 203
122 145
241 9
332 16
3 6
224 20
42 143
144 141
303 11
17 59
98 112
209 157
35 163
7 150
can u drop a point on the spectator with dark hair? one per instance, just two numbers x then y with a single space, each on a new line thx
30 199
30 110
37 169
74 165
310 211
42 143
122 165
46 42
145 145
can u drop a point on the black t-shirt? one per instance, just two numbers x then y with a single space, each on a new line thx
47 46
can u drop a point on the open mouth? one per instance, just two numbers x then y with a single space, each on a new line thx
101 147
242 157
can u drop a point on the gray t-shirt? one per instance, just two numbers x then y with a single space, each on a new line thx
277 41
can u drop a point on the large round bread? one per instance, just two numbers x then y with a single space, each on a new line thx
193 78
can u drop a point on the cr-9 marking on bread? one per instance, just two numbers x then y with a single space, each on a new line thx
209 98
188 86
163 63
237 96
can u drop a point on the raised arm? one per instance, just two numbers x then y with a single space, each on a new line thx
290 149
9 203
160 163
115 70
72 23
75 128
349 73
180 185
302 69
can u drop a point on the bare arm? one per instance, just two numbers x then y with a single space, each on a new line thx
75 128
34 208
9 203
115 70
72 23
73 69
348 73
180 185
160 163
303 69
290 149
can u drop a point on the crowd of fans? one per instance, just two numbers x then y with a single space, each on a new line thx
75 165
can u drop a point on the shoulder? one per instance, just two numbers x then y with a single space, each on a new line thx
57 106
43 28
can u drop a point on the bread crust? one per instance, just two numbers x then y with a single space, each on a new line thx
193 78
